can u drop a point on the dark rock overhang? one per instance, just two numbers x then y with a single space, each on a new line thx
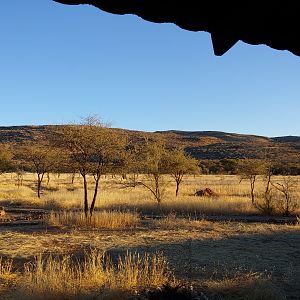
273 23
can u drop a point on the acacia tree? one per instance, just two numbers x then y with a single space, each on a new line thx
267 205
93 149
132 166
249 169
178 163
40 157
149 160
286 187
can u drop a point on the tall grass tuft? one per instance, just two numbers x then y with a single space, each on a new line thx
68 278
5 268
137 271
100 219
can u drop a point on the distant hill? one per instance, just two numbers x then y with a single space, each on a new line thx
287 139
16 134
220 145
211 145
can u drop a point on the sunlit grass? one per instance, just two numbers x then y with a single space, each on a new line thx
102 219
95 275
60 193
174 232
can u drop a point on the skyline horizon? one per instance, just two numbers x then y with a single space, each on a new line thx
161 130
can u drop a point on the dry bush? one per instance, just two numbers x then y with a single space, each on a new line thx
95 277
100 219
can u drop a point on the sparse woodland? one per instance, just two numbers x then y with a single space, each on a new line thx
130 211
92 149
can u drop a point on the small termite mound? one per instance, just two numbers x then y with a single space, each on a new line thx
207 192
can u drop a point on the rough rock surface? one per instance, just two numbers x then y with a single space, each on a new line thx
273 23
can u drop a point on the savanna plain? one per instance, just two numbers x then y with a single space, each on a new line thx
133 248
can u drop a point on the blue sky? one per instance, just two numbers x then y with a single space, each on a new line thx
59 63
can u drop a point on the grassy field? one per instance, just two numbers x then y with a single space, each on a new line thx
106 259
233 196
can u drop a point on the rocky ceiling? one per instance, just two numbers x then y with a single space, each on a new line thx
273 23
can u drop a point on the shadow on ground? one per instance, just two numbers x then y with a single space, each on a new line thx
241 262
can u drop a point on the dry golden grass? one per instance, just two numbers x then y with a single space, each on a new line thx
22 243
5 268
222 257
234 260
171 222
95 276
228 260
99 219
61 194
7 276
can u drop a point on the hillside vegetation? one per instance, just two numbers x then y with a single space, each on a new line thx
204 145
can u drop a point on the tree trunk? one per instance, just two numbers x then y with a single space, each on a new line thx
18 180
86 205
252 182
38 188
177 187
252 193
178 179
73 177
157 190
95 195
287 207
39 184
268 196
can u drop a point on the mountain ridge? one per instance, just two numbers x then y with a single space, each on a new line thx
213 145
